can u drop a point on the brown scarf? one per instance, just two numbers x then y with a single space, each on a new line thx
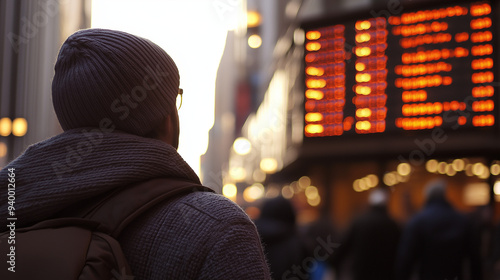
83 163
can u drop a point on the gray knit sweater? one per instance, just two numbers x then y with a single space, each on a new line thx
196 236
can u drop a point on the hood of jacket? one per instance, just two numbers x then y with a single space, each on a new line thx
80 164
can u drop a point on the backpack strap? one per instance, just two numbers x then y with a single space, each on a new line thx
118 209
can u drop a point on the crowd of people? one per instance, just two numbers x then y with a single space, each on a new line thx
437 243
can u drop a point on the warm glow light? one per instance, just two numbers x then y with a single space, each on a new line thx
441 167
422 28
478 168
480 23
229 190
458 164
287 192
313 117
483 120
414 96
480 9
485 63
356 186
313 46
311 192
363 90
360 66
159 22
412 42
450 171
482 77
372 180
422 109
422 69
476 194
254 41
269 165
242 146
363 51
272 192
390 179
315 201
313 35
431 166
304 182
480 50
258 175
363 113
3 149
496 188
419 16
461 37
254 192
363 125
495 169
19 127
315 71
359 185
364 37
478 37
314 94
253 19
363 77
363 25
483 106
5 127
316 83
238 174
404 169
468 170
483 91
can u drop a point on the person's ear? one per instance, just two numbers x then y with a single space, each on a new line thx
171 130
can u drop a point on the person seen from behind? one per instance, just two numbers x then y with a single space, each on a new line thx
439 241
285 248
371 241
114 95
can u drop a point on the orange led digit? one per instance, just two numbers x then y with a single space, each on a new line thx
461 37
313 35
478 37
480 9
480 23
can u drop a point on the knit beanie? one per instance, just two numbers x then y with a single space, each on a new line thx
107 77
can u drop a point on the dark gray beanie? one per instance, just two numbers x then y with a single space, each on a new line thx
106 76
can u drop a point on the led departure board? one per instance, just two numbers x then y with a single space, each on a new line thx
414 71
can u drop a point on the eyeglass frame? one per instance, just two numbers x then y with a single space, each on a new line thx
179 93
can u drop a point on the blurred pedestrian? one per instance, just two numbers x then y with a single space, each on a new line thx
321 229
371 242
483 227
284 247
495 259
439 239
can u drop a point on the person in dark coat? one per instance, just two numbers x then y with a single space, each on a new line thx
371 242
284 247
114 95
439 240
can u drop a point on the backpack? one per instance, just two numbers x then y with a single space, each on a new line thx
84 245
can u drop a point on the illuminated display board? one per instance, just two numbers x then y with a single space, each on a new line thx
414 71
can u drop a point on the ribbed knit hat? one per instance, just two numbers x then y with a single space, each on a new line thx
104 76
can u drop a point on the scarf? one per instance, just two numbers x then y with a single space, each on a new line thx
80 164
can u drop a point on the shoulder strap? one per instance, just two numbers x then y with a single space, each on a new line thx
117 210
